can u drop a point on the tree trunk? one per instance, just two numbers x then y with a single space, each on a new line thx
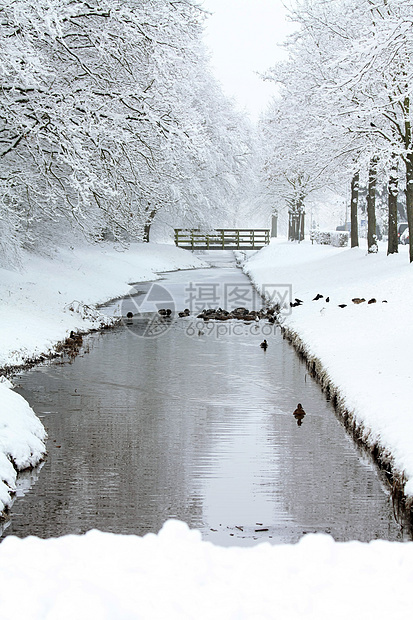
353 210
371 208
393 191
409 172
147 226
293 225
146 231
274 222
409 200
301 225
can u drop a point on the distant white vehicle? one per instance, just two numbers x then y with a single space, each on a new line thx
404 237
400 230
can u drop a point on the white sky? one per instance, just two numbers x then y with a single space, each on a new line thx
243 36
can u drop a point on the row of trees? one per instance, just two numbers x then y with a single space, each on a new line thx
108 114
345 110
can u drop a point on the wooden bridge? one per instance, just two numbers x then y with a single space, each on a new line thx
223 239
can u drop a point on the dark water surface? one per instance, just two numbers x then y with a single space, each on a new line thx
196 426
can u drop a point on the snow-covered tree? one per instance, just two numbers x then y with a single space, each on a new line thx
350 73
108 114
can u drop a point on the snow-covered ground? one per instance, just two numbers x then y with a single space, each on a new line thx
21 440
363 347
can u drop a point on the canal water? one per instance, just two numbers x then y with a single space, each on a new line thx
176 418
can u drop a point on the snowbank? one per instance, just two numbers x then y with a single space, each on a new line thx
40 305
22 439
177 576
363 348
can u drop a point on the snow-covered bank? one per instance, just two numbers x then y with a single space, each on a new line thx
49 297
176 575
22 439
40 305
364 348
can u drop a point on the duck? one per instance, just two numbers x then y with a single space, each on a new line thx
165 312
240 312
264 345
222 317
184 313
69 343
129 315
249 317
299 414
74 339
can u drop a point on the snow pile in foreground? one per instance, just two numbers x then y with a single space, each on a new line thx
22 437
176 575
364 348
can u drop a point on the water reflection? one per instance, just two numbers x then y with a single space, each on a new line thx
197 427
24 483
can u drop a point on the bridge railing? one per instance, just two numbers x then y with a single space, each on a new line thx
223 239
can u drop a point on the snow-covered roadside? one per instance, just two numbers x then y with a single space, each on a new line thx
364 349
40 305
